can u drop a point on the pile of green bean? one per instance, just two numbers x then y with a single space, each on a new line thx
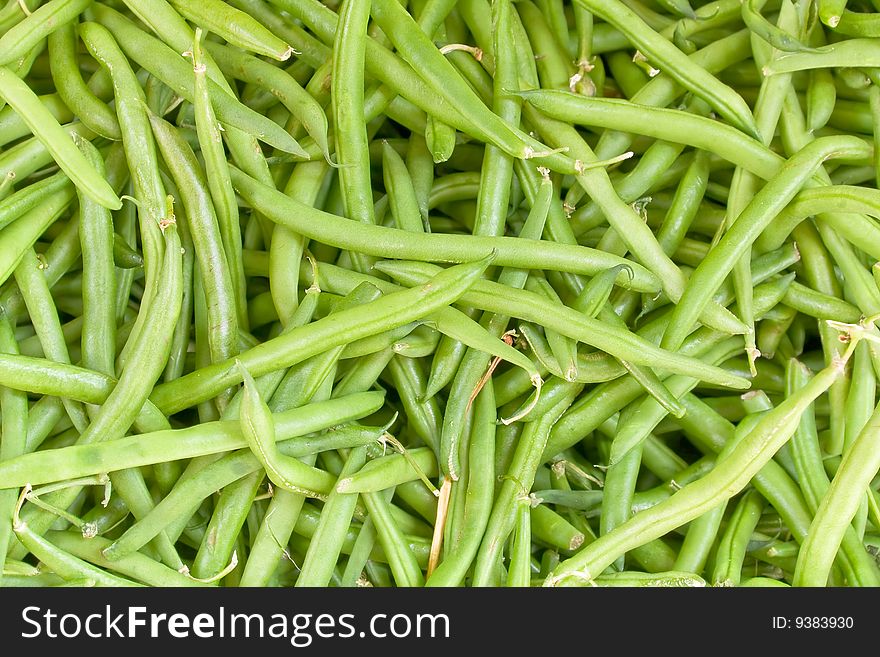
439 293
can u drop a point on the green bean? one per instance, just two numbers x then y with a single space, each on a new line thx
767 111
91 110
14 427
217 174
17 238
23 37
236 27
135 566
845 493
379 62
347 99
531 307
154 447
595 293
421 341
378 342
580 500
496 177
415 47
668 124
14 12
628 75
147 360
181 341
777 37
67 566
740 465
554 68
173 29
56 141
830 11
267 548
519 572
96 243
860 401
757 214
732 546
179 503
169 67
858 24
301 384
633 287
626 449
851 52
124 256
390 470
384 313
676 64
41 580
478 498
45 415
440 138
307 48
258 428
518 481
381 241
808 459
821 98
564 349
447 321
300 104
287 245
550 528
822 306
827 202
760 581
404 565
404 202
864 293
644 375
217 549
420 166
625 220
550 394
874 104
656 168
284 509
669 578
205 234
335 518
423 417
44 317
701 535
592 368
31 155
650 412
140 152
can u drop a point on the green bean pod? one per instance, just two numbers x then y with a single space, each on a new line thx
669 59
91 110
336 516
746 459
50 133
205 234
170 67
23 37
236 27
374 317
99 278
